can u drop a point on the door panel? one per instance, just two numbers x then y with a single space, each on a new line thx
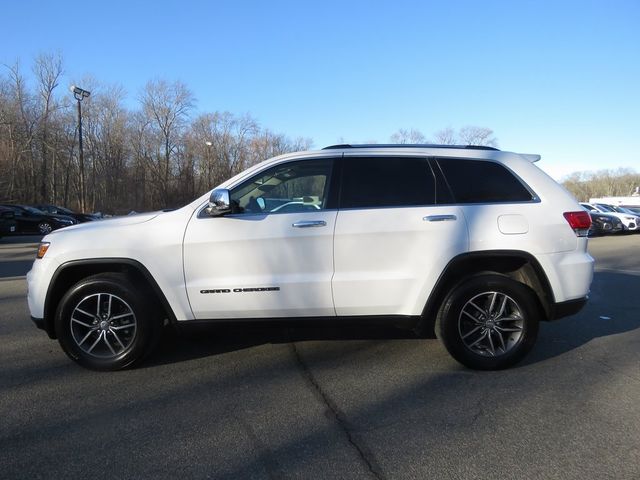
392 240
26 223
227 261
387 260
274 256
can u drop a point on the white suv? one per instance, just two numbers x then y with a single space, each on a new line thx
477 243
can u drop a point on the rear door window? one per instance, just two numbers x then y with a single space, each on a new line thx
378 182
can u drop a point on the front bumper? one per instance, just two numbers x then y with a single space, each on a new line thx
38 279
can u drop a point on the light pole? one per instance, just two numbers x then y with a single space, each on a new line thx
79 94
209 145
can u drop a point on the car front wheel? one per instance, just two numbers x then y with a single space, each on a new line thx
103 323
44 228
489 322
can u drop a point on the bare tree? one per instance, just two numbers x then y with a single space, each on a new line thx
403 136
47 70
269 144
226 141
166 106
19 116
106 139
138 138
477 136
446 136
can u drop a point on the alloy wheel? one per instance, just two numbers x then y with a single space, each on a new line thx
491 324
44 228
103 325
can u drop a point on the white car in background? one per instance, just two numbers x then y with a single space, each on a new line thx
630 221
625 210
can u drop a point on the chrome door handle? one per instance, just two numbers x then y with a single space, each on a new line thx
310 223
439 218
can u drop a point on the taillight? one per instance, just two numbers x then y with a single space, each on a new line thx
579 221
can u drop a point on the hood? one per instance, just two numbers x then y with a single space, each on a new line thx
110 222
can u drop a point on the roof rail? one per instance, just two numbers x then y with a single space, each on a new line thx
345 146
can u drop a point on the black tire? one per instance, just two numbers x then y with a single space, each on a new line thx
123 329
507 319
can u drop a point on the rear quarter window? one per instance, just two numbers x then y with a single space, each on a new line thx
478 181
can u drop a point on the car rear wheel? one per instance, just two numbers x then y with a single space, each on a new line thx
489 322
103 323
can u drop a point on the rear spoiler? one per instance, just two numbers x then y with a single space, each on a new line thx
532 157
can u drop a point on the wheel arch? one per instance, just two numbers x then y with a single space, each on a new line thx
69 273
516 264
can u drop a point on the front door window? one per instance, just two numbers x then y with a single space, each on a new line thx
287 188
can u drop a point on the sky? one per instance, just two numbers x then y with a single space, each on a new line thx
557 78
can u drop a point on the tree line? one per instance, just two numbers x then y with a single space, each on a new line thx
621 182
162 154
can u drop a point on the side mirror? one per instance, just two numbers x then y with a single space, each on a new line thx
219 203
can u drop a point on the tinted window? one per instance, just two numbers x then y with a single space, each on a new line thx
386 182
477 181
606 208
286 188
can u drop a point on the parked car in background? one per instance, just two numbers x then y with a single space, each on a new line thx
617 211
602 224
635 210
630 222
630 202
626 210
30 220
78 217
7 222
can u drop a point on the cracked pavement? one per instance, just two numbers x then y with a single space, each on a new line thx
329 401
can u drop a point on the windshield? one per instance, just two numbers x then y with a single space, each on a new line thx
626 210
33 210
606 208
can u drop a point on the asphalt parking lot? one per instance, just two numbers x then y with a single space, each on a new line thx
315 403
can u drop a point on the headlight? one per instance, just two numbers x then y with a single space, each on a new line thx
42 249
65 221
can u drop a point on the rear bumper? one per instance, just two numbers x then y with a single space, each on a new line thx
568 308
569 273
